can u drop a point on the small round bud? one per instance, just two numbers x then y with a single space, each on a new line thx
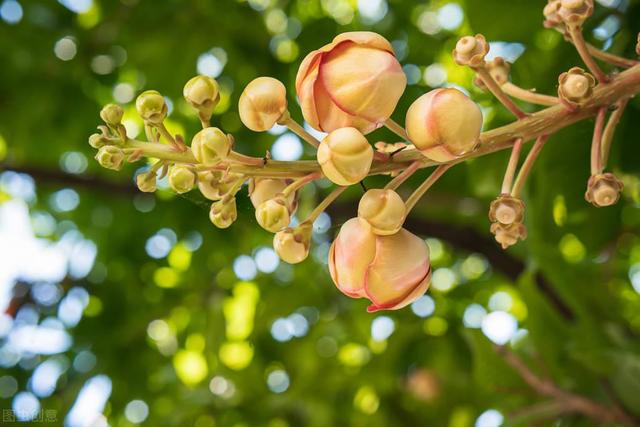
210 146
223 213
273 215
471 50
112 114
345 156
506 210
262 189
292 244
444 124
214 185
508 235
603 190
182 178
262 103
97 140
383 209
575 86
110 157
202 93
575 12
499 69
151 106
146 181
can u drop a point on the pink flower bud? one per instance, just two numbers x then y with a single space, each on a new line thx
262 103
383 209
444 124
345 156
391 271
354 81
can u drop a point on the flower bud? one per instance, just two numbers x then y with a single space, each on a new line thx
603 190
354 81
97 140
638 45
146 181
262 103
575 12
499 70
110 157
444 124
151 106
273 215
506 210
345 156
471 50
292 244
383 209
575 86
391 271
263 189
182 178
202 93
223 213
214 185
210 146
552 18
508 235
112 114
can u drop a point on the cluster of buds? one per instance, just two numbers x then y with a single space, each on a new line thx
347 89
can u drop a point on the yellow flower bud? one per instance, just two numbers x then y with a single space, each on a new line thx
151 106
273 215
97 140
202 93
444 124
603 190
182 178
210 146
262 189
292 244
214 185
471 50
146 181
223 213
262 103
112 114
506 210
354 81
110 157
345 156
383 209
575 86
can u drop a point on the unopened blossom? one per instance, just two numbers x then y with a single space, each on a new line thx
603 189
471 50
210 146
182 178
383 210
262 103
345 156
575 86
202 93
292 244
151 106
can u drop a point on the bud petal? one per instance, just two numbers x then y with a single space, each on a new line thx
151 106
471 50
383 209
262 103
202 93
210 146
345 156
391 271
603 190
273 215
97 140
354 81
146 181
292 244
223 213
112 114
575 86
182 178
444 124
110 157
263 189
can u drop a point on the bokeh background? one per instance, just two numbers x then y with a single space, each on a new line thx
121 308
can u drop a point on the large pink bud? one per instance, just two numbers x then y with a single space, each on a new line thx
354 81
391 271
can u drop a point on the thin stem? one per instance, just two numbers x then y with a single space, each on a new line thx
165 133
529 95
609 130
596 143
233 190
581 46
247 160
511 167
610 57
403 176
419 192
151 135
497 91
324 204
296 128
301 182
205 120
528 165
396 128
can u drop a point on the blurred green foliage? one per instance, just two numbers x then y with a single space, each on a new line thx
188 336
